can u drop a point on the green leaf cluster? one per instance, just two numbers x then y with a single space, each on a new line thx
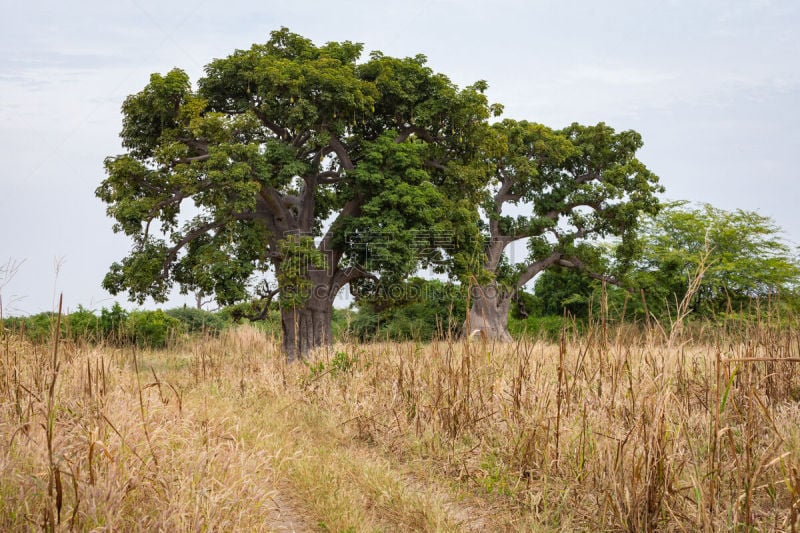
419 310
747 258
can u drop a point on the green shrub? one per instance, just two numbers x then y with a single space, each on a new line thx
37 328
146 328
152 329
112 323
546 327
197 320
341 324
83 324
234 314
526 304
424 310
341 363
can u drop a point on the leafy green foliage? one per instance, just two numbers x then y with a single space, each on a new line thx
340 326
117 326
198 320
747 259
300 256
417 310
37 328
547 327
526 304
83 324
112 322
580 183
565 289
562 289
152 329
496 478
341 363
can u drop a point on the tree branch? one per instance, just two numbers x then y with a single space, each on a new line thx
328 177
576 264
318 154
340 150
172 253
435 164
538 266
508 198
275 209
198 145
351 209
415 130
555 213
500 198
185 160
587 177
305 215
300 139
290 200
264 303
344 276
504 193
579 233
282 133
494 252
177 197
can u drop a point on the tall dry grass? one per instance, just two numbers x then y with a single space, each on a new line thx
616 430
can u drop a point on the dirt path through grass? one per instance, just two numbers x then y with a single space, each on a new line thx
327 481
285 516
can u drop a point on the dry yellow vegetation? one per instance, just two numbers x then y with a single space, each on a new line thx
612 431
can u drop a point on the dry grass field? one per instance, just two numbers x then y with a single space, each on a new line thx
618 430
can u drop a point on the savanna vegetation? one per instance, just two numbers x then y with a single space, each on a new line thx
593 418
635 370
613 428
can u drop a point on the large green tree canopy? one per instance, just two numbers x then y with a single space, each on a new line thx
571 186
296 158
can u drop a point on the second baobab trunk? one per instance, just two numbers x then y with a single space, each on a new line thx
488 313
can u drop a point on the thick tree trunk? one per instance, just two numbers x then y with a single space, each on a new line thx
488 315
307 327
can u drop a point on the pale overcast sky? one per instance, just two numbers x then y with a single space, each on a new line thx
713 87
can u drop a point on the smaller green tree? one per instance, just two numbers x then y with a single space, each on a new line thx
199 320
745 258
83 324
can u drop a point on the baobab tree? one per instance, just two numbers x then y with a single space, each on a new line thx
572 186
297 158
